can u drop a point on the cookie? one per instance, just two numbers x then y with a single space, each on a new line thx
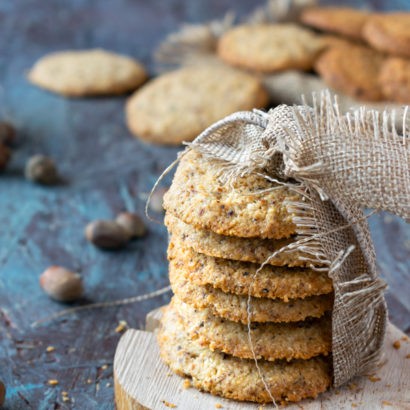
269 48
238 379
395 79
229 247
341 20
353 70
177 106
237 277
198 197
87 73
271 341
389 33
234 307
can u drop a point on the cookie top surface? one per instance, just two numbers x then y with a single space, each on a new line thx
268 48
271 341
234 378
394 79
341 20
231 247
199 197
234 307
179 105
241 278
389 33
87 73
353 70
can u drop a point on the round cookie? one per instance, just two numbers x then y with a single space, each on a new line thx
234 307
271 341
234 378
353 70
395 79
199 198
179 105
230 247
237 277
269 48
341 20
389 33
87 73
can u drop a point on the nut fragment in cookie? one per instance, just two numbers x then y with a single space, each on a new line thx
238 379
244 208
270 341
394 79
234 307
269 47
87 73
241 278
177 106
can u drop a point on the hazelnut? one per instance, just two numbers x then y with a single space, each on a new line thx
7 133
132 224
42 170
2 393
5 155
157 199
61 284
106 234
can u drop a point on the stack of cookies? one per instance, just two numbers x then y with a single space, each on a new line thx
220 234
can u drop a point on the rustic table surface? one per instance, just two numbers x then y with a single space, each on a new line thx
106 171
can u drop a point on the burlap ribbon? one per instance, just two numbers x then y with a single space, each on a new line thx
339 164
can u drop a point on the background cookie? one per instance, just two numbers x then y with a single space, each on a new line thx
341 20
269 48
395 79
234 307
353 70
87 73
177 106
237 277
234 378
271 341
389 33
199 198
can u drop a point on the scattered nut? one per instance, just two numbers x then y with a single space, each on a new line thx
122 325
2 393
53 382
50 349
396 344
156 201
42 170
132 224
7 133
106 234
61 284
5 155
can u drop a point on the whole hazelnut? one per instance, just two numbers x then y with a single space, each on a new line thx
61 284
157 199
5 155
106 234
7 133
132 224
42 170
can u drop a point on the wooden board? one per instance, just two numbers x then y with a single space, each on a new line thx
142 381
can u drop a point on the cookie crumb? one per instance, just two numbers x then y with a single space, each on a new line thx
352 386
53 382
104 367
219 406
354 405
186 384
89 381
64 393
50 349
374 378
396 344
168 404
122 325
387 403
66 399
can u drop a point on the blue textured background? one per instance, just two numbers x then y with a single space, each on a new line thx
107 171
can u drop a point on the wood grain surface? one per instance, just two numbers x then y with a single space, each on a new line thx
106 171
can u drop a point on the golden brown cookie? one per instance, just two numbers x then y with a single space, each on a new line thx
270 341
179 105
341 20
389 33
353 70
237 277
395 79
199 198
230 247
234 378
268 48
234 307
87 73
